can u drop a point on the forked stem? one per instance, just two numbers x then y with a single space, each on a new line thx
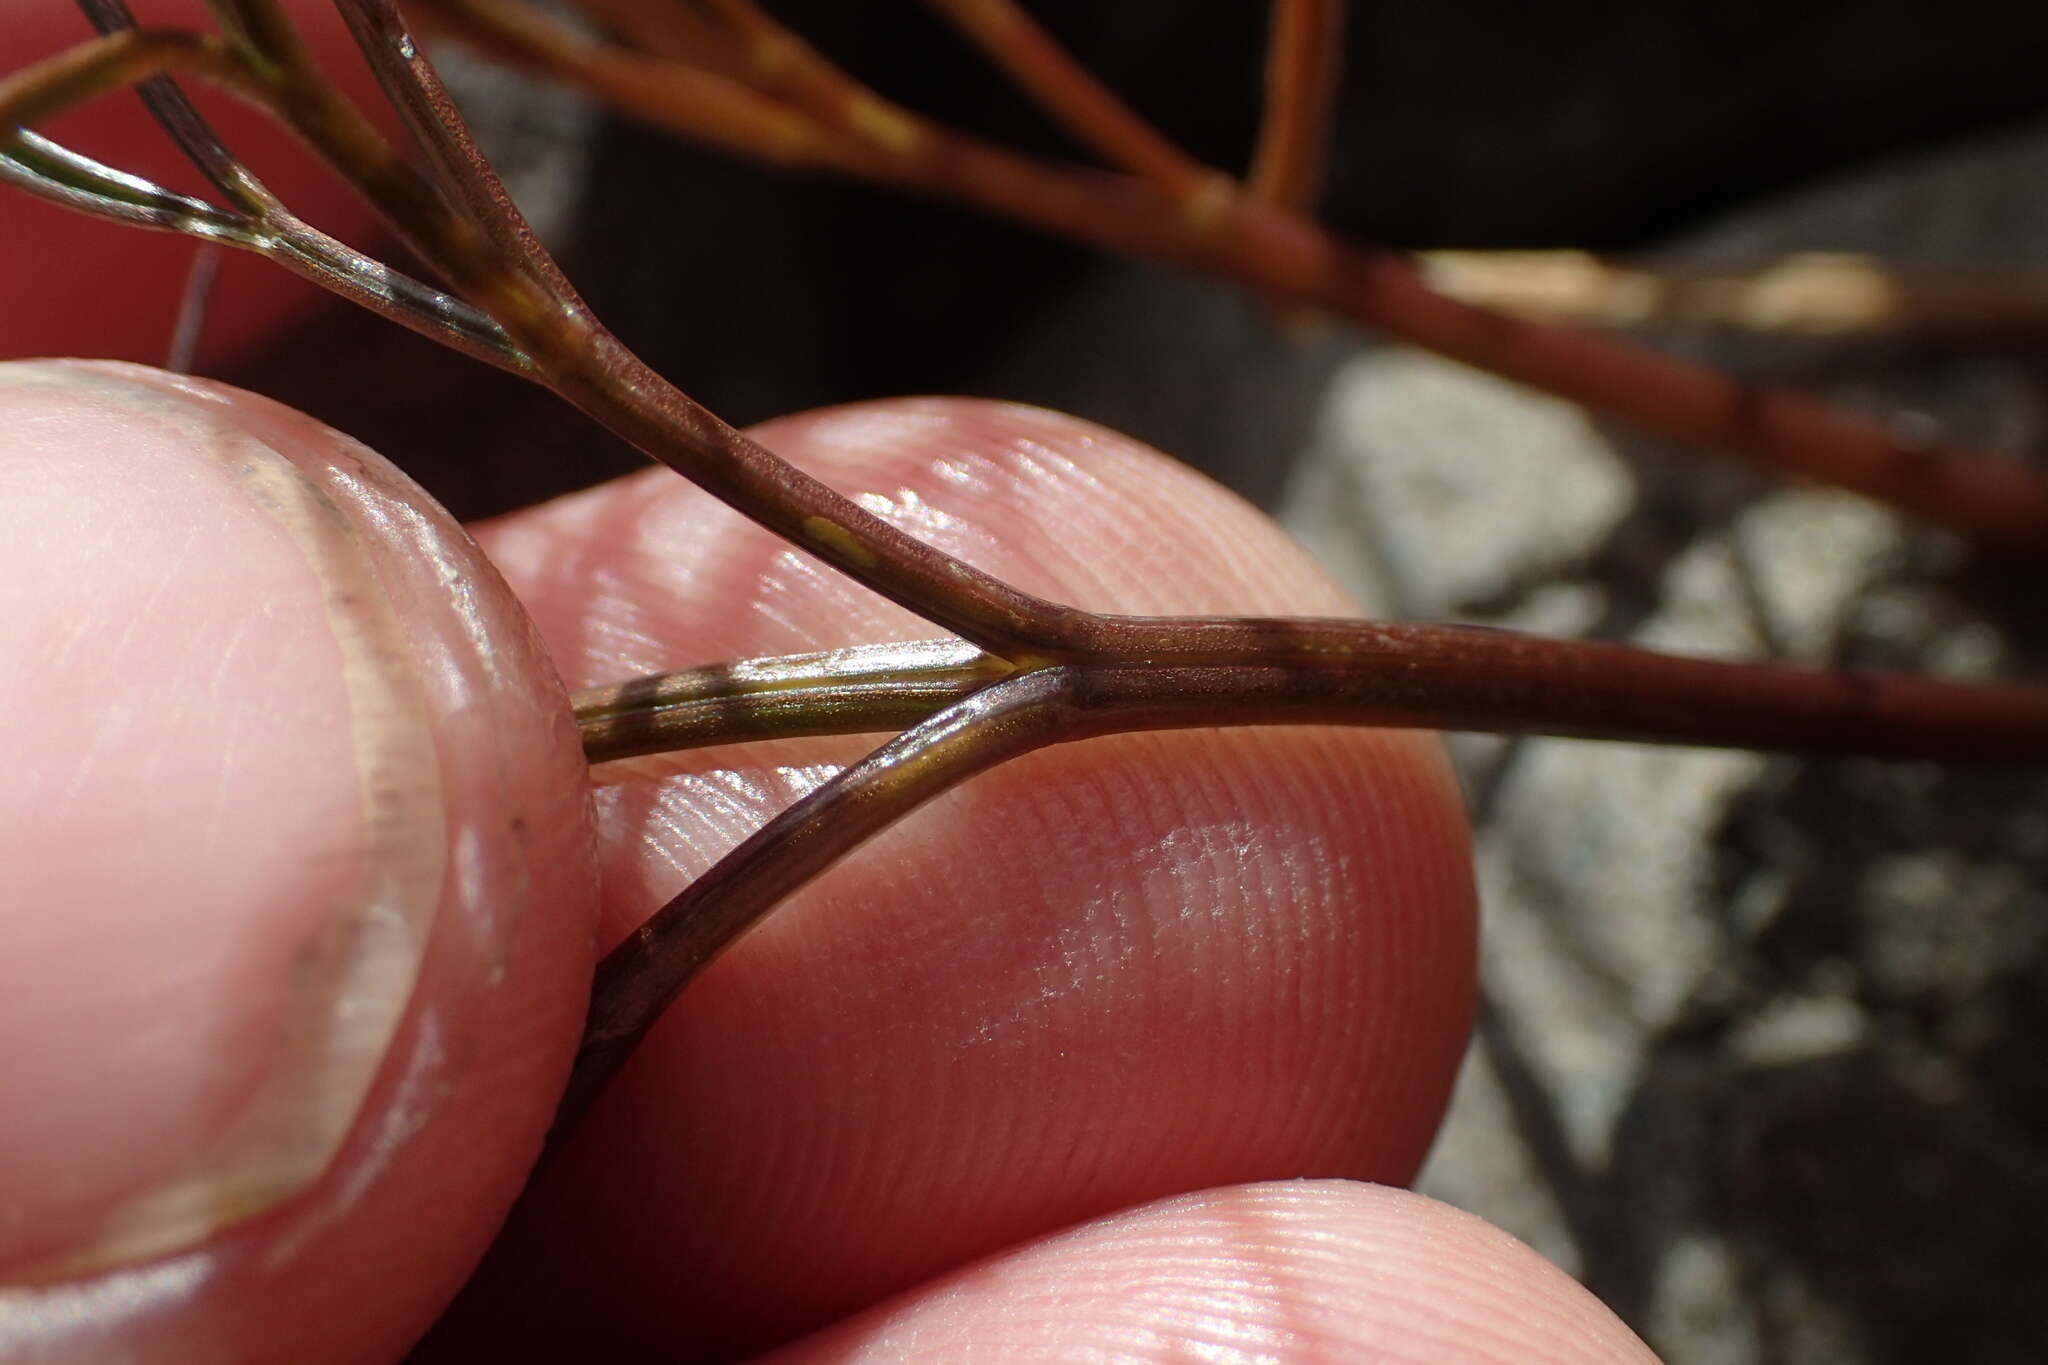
1360 673
1049 672
637 980
1623 694
1286 257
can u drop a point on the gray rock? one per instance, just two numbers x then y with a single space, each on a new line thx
1756 1058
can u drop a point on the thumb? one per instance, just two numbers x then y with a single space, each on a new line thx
295 866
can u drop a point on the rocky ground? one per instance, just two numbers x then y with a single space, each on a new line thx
1759 1055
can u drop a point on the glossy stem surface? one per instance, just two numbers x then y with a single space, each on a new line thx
1413 676
1355 673
854 691
637 980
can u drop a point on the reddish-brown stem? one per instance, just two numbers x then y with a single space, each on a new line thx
1086 107
109 62
1997 502
650 83
2000 503
663 27
1397 675
1069 674
614 387
1360 673
636 981
1302 58
492 256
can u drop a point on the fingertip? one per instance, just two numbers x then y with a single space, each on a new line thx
1291 1272
1107 972
301 832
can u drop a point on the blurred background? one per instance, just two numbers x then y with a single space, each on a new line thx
1758 1057
1599 124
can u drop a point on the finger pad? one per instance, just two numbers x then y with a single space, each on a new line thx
1288 1272
1107 972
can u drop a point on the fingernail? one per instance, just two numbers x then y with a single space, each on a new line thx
220 826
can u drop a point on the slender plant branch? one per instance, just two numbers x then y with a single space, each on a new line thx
193 300
1031 672
638 979
54 172
586 365
667 27
777 62
1758 708
652 81
262 226
112 62
804 122
1372 673
1286 257
1083 105
571 352
1302 58
861 690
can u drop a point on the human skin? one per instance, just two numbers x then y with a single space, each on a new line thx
1017 1079
1098 1054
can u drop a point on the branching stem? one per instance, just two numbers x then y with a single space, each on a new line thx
1030 672
833 122
1358 673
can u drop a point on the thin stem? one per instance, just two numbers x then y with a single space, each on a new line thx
193 136
110 62
1356 673
672 92
182 350
508 274
638 979
1286 257
263 225
345 270
1998 502
1303 54
778 63
54 172
1083 105
664 27
1617 693
415 90
862 690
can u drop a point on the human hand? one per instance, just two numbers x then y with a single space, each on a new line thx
1001 1085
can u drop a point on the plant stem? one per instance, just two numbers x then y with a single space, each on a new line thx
1616 692
862 690
1302 56
1354 673
637 980
1081 103
1283 255
260 223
